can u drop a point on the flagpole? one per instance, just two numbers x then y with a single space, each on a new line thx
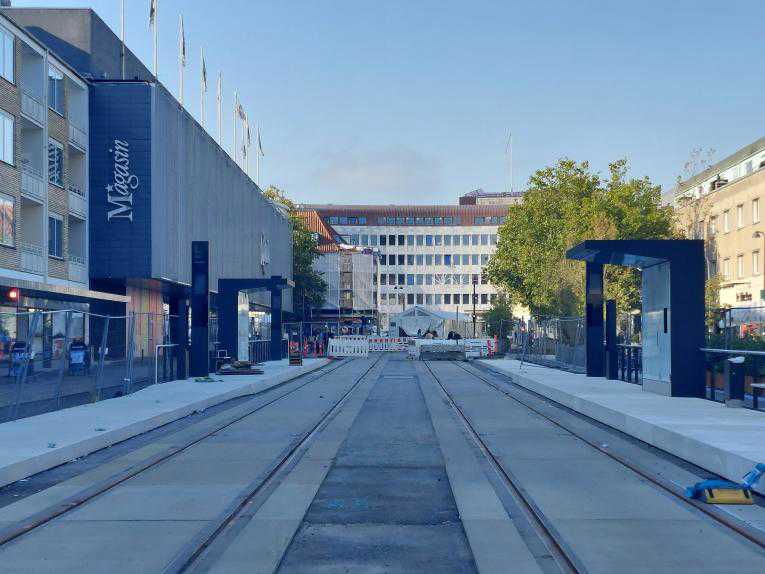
234 154
122 37
154 41
220 97
181 59
202 81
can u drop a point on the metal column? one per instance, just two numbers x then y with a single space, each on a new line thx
594 319
200 287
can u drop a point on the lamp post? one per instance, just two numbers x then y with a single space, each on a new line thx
760 235
475 282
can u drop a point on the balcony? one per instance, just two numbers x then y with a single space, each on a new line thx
78 137
33 184
33 109
32 258
78 270
78 204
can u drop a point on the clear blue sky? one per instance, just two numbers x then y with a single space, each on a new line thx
411 101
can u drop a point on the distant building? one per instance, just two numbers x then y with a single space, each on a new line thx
723 205
481 197
430 255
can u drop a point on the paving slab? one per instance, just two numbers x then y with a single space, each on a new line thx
725 441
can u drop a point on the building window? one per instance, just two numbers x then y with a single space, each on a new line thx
447 298
390 221
474 239
484 259
362 220
401 240
456 239
7 53
466 299
7 219
712 225
712 268
479 221
410 298
429 240
365 240
428 279
391 239
401 260
410 240
484 239
726 221
56 90
391 259
474 259
55 163
419 278
448 279
419 240
419 298
7 123
439 298
448 221
465 259
484 298
354 239
420 259
401 278
448 260
755 211
410 279
438 240
410 220
493 238
438 259
740 266
755 262
456 259
410 259
447 240
428 299
383 279
383 240
56 236
373 240
726 269
740 215
428 260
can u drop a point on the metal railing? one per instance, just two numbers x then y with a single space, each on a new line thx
556 342
630 363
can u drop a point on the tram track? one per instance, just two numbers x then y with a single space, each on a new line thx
81 498
558 547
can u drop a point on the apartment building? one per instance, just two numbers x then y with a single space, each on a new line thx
429 255
43 182
724 206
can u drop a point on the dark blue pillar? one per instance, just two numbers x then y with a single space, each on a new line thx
228 328
179 309
200 303
612 371
276 323
593 314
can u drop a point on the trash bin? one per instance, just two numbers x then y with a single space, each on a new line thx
19 355
78 358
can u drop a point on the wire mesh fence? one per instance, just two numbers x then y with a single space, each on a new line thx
57 359
556 342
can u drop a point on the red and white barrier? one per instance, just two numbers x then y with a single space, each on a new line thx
389 344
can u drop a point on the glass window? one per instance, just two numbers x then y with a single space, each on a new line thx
428 221
484 259
755 211
479 220
56 163
466 279
56 90
420 259
6 55
391 239
713 225
448 279
419 279
740 215
726 268
448 260
383 240
401 240
456 259
428 260
740 265
364 239
447 298
755 262
409 279
354 239
439 298
428 240
362 220
494 220
456 278
438 220
438 279
726 221
383 279
7 219
410 259
484 298
410 220
383 260
399 221
465 259
343 220
7 123
401 278
391 259
419 240
420 221
493 238
437 239
484 277
428 279
474 259
448 221
419 298
465 299
456 239
438 259
447 240
457 220
401 259
410 298
465 240
390 221
374 240
391 278
56 236
410 240
428 299
474 239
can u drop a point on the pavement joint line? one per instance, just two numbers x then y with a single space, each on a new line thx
552 539
726 519
130 469
492 534
208 534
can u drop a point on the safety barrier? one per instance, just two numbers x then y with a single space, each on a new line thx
388 344
349 346
474 348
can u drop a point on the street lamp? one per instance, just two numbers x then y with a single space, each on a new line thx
758 235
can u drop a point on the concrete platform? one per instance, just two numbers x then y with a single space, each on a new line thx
38 443
726 441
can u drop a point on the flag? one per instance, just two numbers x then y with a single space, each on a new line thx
153 13
204 75
260 145
240 110
247 131
183 44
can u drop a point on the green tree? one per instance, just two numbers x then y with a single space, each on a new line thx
499 315
310 288
564 205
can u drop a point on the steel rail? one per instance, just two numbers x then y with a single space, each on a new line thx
189 554
42 517
553 541
738 526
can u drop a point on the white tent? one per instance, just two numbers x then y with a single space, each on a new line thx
419 319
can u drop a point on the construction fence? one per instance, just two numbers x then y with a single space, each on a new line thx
57 359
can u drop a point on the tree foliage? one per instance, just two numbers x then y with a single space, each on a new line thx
564 205
501 311
310 288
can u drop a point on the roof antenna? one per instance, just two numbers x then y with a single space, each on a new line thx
509 154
